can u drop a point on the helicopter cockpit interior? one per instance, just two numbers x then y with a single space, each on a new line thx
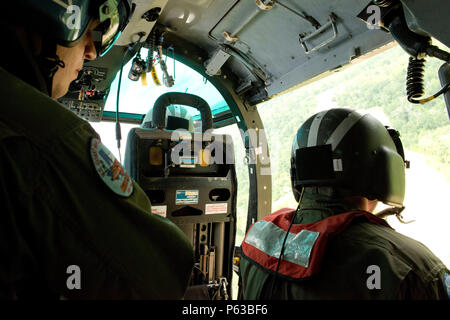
243 52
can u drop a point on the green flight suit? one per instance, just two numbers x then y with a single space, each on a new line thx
407 269
56 212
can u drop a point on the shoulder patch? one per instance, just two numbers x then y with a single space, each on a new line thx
447 283
110 169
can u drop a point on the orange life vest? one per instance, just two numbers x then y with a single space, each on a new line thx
305 245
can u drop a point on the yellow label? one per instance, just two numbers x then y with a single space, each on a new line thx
155 76
144 78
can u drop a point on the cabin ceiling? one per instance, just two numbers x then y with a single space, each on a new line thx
268 48
263 47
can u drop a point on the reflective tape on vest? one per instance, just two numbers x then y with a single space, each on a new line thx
296 250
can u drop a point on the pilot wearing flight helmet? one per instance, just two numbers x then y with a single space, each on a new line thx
73 222
332 246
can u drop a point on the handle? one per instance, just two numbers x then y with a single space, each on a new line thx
187 99
331 23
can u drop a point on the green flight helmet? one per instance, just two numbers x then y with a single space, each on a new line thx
177 117
351 152
65 22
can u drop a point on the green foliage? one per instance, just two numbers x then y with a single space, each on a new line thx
386 90
435 144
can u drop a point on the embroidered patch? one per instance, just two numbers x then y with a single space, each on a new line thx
447 283
110 170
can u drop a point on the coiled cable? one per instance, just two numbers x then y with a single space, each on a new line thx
415 82
415 87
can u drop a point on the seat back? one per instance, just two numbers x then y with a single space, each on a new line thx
190 178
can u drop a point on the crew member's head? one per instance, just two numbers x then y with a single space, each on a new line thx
52 38
351 152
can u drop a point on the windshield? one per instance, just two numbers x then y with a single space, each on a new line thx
139 97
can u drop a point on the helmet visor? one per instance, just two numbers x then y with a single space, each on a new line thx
113 19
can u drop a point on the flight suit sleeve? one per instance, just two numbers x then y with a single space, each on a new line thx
91 243
17 259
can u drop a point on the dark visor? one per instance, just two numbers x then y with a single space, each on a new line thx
113 19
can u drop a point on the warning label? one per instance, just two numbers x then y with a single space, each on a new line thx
186 197
160 210
216 208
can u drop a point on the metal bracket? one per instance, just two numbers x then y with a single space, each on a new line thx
330 24
264 5
229 37
216 62
247 61
152 14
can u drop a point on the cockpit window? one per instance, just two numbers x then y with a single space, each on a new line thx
138 97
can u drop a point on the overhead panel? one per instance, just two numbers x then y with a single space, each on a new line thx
286 43
146 13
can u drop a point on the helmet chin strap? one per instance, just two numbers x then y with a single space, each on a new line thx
393 211
49 62
45 64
